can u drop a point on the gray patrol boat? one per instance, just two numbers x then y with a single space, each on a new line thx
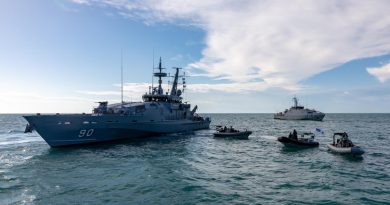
159 113
298 112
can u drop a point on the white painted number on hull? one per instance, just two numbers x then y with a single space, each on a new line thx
86 133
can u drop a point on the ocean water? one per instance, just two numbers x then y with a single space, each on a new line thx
195 168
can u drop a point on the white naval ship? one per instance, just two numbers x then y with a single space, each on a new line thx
298 112
158 113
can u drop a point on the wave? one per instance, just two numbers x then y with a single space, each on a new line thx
11 131
15 131
18 138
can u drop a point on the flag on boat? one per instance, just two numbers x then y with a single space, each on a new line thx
319 132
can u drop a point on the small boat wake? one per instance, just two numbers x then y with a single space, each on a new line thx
269 137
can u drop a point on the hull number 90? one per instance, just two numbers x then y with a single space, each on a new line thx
87 133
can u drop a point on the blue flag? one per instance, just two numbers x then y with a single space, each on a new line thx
319 132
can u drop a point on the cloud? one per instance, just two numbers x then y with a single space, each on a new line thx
80 1
43 102
41 97
136 90
131 91
280 43
382 73
235 87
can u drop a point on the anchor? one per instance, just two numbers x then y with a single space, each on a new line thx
29 128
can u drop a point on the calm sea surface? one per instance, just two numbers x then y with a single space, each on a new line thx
195 168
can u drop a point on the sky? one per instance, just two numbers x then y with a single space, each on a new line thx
249 56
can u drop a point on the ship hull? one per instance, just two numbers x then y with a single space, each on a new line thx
313 117
302 143
66 130
355 150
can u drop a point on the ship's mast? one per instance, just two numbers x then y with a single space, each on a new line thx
174 85
295 101
160 74
160 90
184 82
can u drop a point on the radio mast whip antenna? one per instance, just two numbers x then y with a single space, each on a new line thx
153 72
122 77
